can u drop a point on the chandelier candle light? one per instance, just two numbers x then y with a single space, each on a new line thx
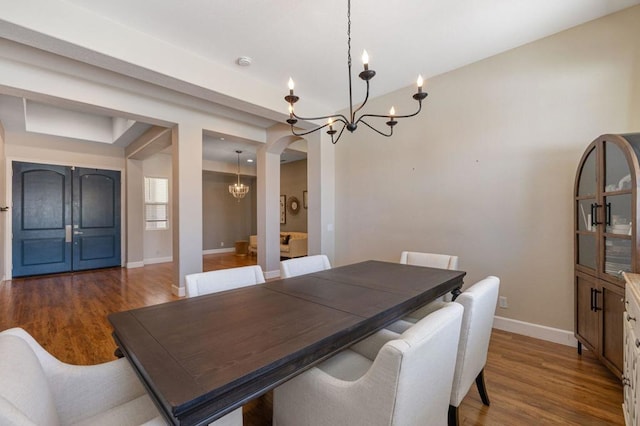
351 123
238 190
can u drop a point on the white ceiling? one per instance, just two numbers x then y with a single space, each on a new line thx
307 39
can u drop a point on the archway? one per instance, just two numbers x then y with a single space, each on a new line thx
320 196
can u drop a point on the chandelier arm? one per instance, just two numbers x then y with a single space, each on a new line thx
339 135
388 117
374 129
317 128
366 98
338 117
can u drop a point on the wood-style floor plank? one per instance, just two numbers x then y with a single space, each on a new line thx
530 382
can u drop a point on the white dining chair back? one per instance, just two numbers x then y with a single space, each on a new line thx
407 381
431 260
304 265
479 302
222 280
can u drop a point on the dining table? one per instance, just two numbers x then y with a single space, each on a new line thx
202 357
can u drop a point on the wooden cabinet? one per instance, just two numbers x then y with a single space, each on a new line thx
606 242
631 371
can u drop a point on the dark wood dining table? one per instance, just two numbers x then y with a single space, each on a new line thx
203 357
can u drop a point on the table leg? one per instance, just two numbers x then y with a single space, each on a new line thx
455 293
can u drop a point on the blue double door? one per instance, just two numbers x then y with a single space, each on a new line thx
64 219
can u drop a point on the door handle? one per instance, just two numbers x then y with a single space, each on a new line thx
78 232
67 234
595 300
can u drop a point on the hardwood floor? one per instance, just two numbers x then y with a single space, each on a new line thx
530 382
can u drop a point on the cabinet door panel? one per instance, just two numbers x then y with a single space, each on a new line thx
586 318
629 372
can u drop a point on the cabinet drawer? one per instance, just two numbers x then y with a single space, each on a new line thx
633 311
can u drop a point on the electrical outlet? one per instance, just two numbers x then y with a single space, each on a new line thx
221 243
502 302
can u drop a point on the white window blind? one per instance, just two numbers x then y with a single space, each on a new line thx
156 199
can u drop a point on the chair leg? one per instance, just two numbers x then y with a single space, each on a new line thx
452 420
482 388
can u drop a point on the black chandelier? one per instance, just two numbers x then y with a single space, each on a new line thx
351 123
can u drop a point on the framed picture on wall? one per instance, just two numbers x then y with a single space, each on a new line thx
304 199
283 209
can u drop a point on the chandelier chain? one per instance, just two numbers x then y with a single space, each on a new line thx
349 32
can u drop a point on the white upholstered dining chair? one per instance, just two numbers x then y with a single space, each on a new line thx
479 302
38 389
387 379
304 265
432 260
223 279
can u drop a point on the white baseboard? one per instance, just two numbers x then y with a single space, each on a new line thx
541 332
272 274
158 260
222 250
131 265
178 291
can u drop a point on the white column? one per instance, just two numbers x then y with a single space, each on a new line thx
186 218
135 214
268 199
4 231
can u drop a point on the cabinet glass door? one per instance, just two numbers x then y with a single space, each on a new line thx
587 182
616 212
617 256
586 211
617 174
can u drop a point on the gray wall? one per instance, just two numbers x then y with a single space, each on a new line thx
225 219
486 171
293 181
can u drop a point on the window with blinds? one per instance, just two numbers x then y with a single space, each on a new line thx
156 203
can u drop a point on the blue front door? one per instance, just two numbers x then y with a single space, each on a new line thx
96 218
41 219
64 219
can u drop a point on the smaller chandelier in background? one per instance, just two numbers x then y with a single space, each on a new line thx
238 190
351 123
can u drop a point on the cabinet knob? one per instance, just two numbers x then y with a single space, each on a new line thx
630 318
